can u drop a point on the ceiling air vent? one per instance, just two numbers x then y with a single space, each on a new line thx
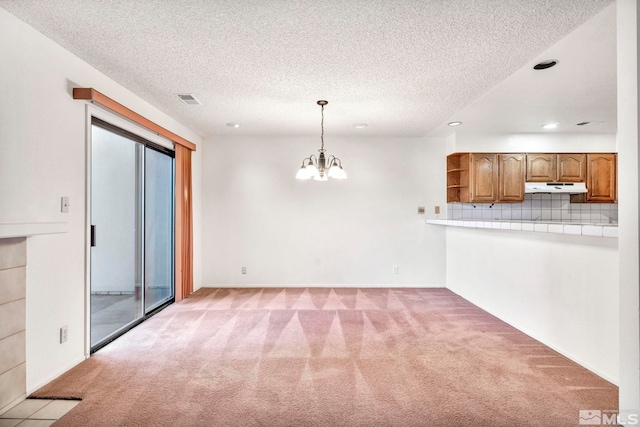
593 123
189 99
545 64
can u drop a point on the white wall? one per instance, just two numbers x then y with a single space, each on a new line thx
628 165
42 157
561 290
525 279
533 143
336 233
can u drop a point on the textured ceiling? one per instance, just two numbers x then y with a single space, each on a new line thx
403 67
580 88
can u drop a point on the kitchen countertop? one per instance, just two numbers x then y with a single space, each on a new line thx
578 229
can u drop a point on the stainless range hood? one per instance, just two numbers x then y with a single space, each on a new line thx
555 187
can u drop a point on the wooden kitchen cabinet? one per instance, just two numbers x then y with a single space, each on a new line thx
541 167
501 177
483 177
601 177
458 177
473 177
572 167
553 167
511 176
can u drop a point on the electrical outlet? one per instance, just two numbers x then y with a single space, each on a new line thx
64 334
395 269
437 210
64 204
244 270
421 210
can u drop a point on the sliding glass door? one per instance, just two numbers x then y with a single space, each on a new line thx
131 230
158 262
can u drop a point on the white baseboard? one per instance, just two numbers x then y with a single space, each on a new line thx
258 285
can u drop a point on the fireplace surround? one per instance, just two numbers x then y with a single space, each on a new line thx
13 290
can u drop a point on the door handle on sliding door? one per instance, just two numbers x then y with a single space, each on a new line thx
93 235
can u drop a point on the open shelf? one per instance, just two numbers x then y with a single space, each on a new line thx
458 177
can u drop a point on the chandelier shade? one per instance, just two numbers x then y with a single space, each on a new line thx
321 168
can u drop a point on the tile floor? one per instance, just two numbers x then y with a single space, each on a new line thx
36 412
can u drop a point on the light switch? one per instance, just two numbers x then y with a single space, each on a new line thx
64 205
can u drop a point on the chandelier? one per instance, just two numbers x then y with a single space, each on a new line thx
321 168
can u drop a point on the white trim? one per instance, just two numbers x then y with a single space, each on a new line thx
87 233
360 286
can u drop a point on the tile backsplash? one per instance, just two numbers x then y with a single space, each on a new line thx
537 207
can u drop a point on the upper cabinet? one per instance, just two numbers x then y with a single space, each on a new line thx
511 176
501 177
541 167
484 177
572 167
601 177
552 167
458 177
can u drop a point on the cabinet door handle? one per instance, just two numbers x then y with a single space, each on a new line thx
93 235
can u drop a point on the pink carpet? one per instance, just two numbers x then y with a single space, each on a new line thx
327 357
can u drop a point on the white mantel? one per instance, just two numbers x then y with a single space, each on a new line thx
26 229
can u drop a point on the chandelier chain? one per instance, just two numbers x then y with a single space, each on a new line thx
322 130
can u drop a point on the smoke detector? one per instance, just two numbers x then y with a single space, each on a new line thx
189 99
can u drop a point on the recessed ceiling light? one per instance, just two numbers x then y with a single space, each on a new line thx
455 123
550 125
360 125
545 64
233 125
189 99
